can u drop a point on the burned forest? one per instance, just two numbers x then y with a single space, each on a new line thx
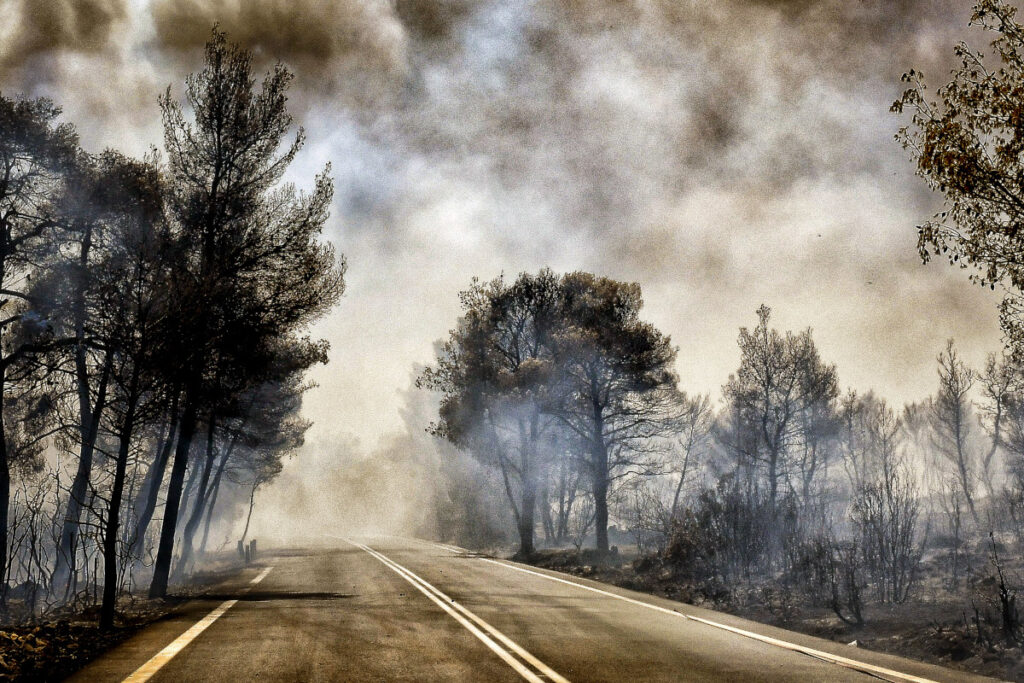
542 340
155 337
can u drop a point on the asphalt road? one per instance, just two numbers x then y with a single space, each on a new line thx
388 609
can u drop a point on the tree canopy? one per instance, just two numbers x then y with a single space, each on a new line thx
968 144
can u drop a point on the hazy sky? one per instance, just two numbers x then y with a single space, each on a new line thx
722 153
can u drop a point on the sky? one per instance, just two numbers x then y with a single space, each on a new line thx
723 154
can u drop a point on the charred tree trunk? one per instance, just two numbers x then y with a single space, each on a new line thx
145 503
248 517
162 567
677 496
5 491
89 418
599 468
192 472
547 518
528 500
965 482
528 505
114 513
64 564
211 507
600 491
200 498
566 499
215 489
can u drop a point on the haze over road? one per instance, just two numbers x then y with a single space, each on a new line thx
387 609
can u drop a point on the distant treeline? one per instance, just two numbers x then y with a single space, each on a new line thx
556 383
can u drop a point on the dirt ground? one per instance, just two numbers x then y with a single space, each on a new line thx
53 646
56 647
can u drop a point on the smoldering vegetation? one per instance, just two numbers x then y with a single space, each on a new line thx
154 325
790 499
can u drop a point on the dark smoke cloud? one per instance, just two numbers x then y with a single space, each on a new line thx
433 20
306 30
40 27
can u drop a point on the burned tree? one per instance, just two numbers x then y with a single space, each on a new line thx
257 412
616 390
886 504
133 280
36 154
782 399
494 373
952 419
1000 381
255 268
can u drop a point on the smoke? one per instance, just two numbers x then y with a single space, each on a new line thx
304 30
410 483
36 28
722 154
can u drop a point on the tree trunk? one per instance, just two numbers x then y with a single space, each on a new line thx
200 499
5 493
601 514
192 471
150 491
965 482
526 518
600 491
64 564
252 503
773 481
546 517
216 489
162 567
211 507
88 420
679 489
599 468
566 499
114 512
528 499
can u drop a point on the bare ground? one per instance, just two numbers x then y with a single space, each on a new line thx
54 646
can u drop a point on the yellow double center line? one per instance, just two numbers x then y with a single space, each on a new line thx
503 646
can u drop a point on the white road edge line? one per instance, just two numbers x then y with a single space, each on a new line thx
456 611
157 662
433 544
818 654
450 548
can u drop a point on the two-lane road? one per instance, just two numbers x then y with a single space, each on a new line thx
396 609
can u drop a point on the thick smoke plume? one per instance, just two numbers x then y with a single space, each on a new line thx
721 154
